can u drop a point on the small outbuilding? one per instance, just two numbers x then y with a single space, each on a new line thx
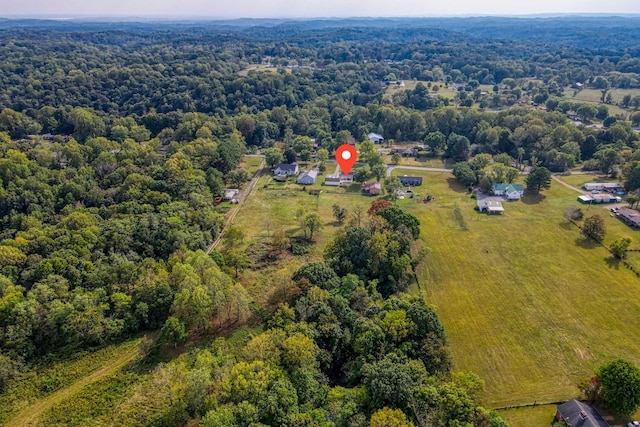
308 178
579 414
373 189
376 138
230 193
490 206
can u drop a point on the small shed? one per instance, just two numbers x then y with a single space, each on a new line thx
230 193
490 206
373 189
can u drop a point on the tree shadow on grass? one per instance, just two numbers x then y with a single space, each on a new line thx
566 225
587 243
455 185
533 199
612 262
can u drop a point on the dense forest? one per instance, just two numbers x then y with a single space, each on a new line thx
116 138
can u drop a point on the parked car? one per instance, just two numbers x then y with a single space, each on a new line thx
633 424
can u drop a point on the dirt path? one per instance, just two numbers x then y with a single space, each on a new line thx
234 211
558 180
30 416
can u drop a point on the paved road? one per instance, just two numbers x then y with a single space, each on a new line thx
234 211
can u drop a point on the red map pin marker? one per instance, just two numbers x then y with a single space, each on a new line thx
346 155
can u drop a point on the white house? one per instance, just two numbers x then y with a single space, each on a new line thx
376 138
338 180
286 169
603 186
509 191
308 178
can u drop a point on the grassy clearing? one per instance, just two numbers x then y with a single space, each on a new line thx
579 180
593 96
273 206
251 164
26 404
411 84
526 303
421 162
262 68
530 417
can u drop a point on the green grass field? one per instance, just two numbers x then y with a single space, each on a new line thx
579 180
261 68
593 96
411 84
525 302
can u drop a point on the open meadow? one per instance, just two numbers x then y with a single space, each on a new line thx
526 302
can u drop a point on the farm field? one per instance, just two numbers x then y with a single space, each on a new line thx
422 162
525 302
593 96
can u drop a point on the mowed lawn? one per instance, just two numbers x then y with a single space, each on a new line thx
525 302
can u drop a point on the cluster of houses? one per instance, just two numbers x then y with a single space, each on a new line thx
284 171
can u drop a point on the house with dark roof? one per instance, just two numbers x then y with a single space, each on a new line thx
630 216
410 181
509 191
286 169
579 414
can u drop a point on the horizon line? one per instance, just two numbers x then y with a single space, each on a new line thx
545 15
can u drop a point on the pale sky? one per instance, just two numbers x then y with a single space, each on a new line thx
307 8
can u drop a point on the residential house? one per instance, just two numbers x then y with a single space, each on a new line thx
490 206
630 216
308 178
577 414
373 189
603 186
338 180
410 181
406 152
376 138
332 180
509 191
286 169
599 198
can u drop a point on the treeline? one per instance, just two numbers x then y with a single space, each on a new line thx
196 70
